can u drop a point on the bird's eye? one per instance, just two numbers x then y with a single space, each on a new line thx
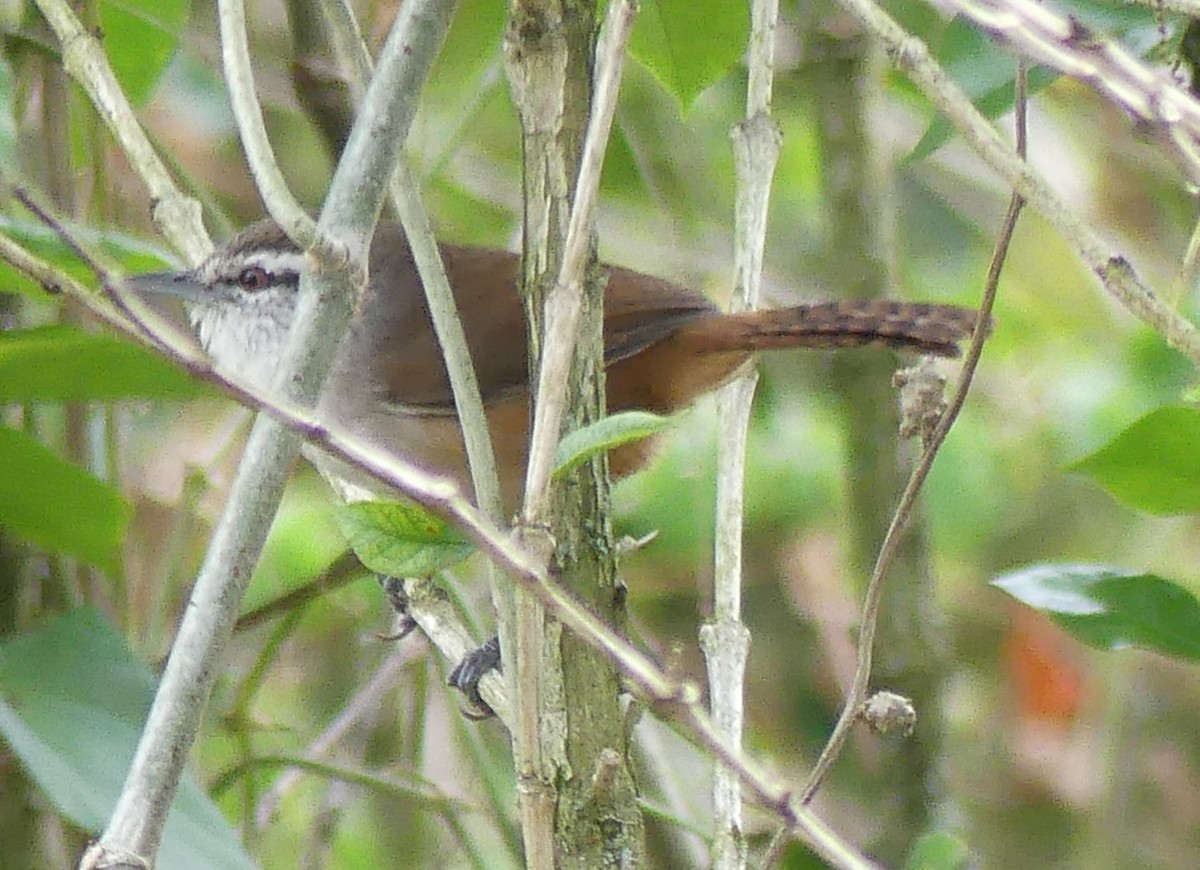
254 278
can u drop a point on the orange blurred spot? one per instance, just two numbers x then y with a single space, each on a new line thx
1043 669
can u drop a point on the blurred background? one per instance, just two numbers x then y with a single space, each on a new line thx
1032 750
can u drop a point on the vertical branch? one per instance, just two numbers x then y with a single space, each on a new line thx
724 639
252 130
570 743
537 58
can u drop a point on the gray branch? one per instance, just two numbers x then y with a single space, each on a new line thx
177 215
1062 42
324 310
1114 271
239 78
724 639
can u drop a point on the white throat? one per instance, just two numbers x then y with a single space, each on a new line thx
246 338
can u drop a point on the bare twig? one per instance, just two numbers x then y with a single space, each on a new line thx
177 215
324 308
887 551
406 200
1064 43
1114 271
239 78
362 704
1188 269
724 639
404 191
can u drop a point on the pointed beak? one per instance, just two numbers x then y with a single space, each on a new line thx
178 284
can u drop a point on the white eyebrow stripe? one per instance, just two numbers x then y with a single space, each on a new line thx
277 262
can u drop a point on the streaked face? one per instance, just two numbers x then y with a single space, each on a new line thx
241 300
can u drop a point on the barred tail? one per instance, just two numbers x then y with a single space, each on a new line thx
912 326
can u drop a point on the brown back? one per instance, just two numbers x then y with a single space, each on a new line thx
639 312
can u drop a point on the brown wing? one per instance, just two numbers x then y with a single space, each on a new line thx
483 283
640 311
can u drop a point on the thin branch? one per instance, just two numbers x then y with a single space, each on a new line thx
468 400
344 33
857 694
404 191
1062 42
239 79
344 569
1188 269
177 215
565 302
324 307
724 639
1113 270
364 703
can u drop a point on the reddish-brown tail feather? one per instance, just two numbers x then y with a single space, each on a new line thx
914 326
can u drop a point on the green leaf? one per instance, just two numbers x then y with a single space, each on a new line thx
605 434
689 46
140 36
133 255
937 851
401 540
66 364
57 505
1154 465
1108 609
72 705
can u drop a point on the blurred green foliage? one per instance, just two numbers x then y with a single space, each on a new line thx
1053 755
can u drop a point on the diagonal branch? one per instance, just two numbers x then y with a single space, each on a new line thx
443 497
1156 101
177 215
1114 271
324 307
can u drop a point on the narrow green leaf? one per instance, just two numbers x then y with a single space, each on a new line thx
72 705
133 255
66 364
140 36
689 46
605 434
57 505
401 540
1108 609
1154 465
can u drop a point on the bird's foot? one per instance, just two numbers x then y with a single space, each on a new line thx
474 666
393 588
